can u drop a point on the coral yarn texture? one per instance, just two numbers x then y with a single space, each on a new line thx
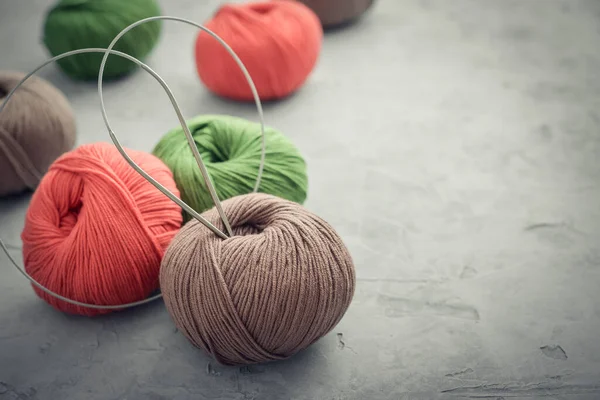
279 284
278 41
96 231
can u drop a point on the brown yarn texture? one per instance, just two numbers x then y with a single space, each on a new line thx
279 284
337 12
36 127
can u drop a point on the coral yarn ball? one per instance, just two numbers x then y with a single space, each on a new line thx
279 284
37 125
278 41
96 230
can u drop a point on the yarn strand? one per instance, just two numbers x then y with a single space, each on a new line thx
184 126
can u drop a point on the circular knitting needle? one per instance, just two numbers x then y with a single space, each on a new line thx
188 134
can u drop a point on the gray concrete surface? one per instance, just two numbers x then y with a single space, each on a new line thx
455 145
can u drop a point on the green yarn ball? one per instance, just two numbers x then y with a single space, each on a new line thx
76 24
231 148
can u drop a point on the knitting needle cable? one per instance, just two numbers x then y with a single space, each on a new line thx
165 191
4 247
186 130
156 76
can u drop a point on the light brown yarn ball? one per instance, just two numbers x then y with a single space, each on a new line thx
36 127
338 12
279 284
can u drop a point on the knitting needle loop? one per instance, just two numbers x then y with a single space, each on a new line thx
186 130
164 190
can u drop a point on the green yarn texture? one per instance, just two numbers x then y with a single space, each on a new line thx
230 148
76 24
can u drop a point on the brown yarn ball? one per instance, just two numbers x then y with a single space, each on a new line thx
338 12
36 127
283 281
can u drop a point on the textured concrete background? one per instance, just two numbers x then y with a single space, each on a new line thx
455 146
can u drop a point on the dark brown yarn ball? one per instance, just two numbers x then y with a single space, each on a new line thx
338 12
36 127
279 284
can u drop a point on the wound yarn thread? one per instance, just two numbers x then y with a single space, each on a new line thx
96 231
231 150
36 127
283 281
279 42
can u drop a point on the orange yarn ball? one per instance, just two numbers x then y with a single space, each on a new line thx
96 230
279 43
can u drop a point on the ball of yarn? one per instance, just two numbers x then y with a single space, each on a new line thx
36 127
338 12
75 24
96 231
278 41
283 281
231 149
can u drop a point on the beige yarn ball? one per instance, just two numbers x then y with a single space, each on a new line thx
283 281
338 12
36 127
